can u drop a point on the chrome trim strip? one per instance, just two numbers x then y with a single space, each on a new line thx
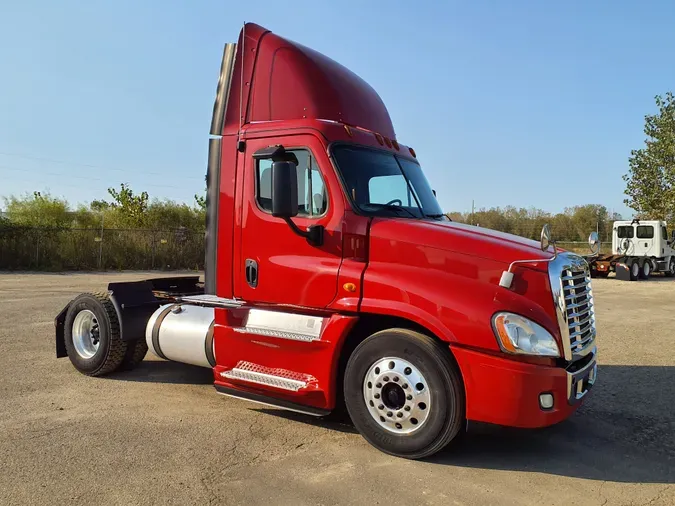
211 301
276 333
243 398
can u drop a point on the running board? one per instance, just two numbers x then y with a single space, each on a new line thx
277 378
270 401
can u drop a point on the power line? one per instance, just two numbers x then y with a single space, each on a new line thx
62 175
88 165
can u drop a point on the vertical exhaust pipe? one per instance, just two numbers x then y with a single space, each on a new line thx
213 169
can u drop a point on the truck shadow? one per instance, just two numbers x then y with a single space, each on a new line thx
625 432
164 371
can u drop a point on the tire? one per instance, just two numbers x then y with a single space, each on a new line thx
635 270
424 394
645 269
671 269
136 351
105 351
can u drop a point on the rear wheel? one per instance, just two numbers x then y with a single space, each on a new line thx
404 393
635 270
136 351
646 269
92 335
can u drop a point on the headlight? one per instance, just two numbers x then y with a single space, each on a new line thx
518 335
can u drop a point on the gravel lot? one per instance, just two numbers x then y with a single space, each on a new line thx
161 435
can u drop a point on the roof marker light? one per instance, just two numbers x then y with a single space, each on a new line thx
379 139
412 152
396 147
387 142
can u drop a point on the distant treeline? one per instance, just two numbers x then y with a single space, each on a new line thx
131 232
573 224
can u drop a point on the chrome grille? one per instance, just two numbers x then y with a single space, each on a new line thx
579 309
571 286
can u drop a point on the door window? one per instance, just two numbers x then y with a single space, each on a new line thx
312 194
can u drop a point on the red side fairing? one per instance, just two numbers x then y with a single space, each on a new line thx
313 362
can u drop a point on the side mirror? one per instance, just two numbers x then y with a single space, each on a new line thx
284 190
594 242
545 237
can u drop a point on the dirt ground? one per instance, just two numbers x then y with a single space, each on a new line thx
161 434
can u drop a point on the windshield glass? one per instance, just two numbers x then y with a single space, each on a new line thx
380 183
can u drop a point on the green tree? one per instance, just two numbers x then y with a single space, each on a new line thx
131 209
650 181
38 210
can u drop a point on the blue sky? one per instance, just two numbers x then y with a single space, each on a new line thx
522 103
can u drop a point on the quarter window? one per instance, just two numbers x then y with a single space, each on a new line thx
312 194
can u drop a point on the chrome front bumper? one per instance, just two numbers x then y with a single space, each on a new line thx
580 381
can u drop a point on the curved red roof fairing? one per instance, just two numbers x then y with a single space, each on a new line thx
283 80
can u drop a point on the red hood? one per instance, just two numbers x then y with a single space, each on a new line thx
468 240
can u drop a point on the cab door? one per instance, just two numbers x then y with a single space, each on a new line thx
276 265
644 241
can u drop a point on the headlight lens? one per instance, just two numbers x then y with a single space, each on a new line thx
518 335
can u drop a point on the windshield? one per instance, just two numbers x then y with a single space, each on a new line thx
380 183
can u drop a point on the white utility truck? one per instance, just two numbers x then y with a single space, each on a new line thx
639 249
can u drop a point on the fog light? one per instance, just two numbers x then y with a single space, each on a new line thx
545 401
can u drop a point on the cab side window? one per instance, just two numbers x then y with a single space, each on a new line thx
645 232
312 194
625 232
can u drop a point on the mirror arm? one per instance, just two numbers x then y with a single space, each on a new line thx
507 276
313 234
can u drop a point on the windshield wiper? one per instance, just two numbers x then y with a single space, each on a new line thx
394 207
441 215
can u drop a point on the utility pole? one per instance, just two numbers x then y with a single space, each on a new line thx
472 210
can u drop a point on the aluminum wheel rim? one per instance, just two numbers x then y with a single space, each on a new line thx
672 267
86 337
397 395
646 269
636 269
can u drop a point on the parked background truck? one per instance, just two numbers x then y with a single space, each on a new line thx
333 279
639 249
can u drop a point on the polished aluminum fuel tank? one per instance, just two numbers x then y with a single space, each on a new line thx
182 333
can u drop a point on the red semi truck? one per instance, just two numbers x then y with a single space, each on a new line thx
333 279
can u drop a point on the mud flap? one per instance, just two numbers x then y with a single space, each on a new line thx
59 328
622 272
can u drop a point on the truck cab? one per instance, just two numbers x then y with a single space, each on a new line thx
333 280
641 238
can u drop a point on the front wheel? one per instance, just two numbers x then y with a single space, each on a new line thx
671 269
404 394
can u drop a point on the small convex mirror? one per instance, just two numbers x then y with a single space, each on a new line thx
545 237
594 242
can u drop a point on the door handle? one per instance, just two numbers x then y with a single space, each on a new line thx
251 272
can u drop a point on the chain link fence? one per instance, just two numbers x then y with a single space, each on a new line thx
30 248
